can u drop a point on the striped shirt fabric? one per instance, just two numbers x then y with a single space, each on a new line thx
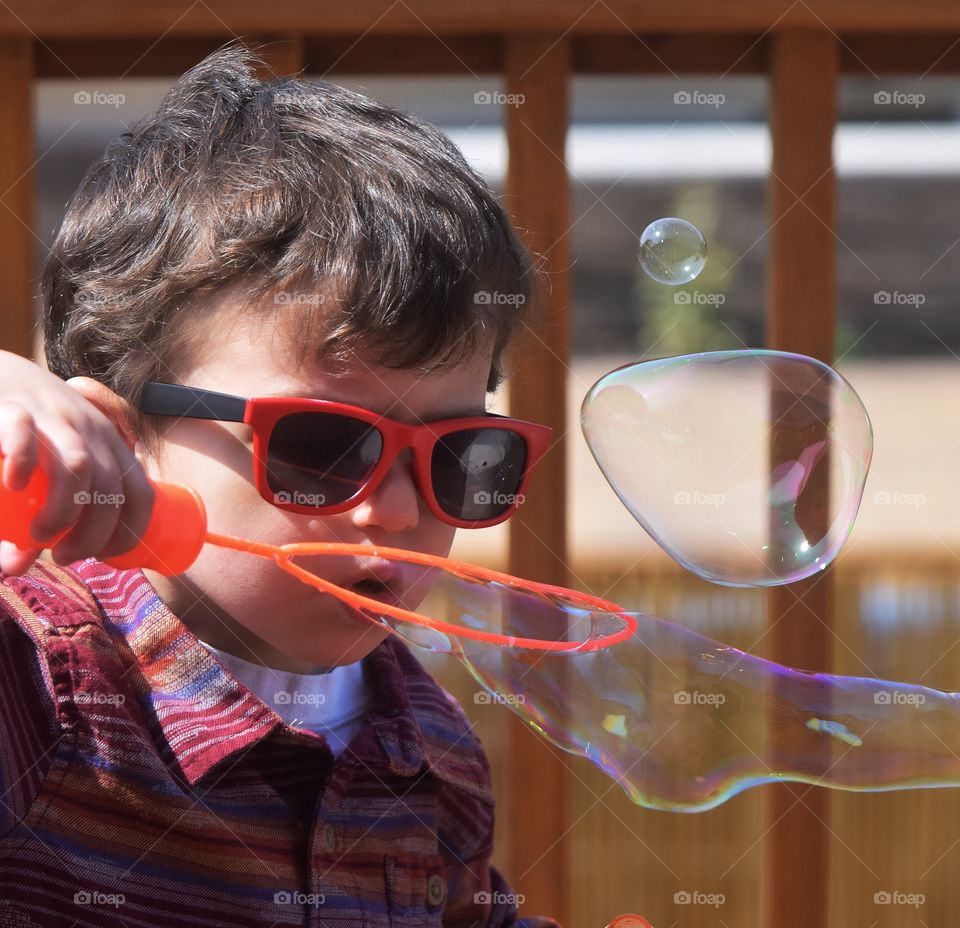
142 785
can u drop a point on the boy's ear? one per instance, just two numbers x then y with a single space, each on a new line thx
114 407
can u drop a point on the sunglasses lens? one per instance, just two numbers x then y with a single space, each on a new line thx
477 472
320 459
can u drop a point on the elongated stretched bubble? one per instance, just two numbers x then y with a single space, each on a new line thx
679 720
747 467
682 722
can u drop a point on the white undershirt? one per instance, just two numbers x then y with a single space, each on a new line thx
332 703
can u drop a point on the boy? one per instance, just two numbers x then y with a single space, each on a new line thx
225 747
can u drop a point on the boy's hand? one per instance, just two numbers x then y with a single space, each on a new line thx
95 479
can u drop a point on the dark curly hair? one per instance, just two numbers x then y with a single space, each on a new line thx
364 225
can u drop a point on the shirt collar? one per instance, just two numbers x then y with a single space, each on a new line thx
207 717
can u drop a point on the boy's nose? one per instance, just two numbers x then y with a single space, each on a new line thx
395 505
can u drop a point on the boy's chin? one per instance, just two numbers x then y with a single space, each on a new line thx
340 646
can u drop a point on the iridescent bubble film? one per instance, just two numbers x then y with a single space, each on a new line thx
682 722
672 251
747 467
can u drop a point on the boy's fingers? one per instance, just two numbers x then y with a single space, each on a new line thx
135 514
71 466
99 498
15 561
100 510
18 443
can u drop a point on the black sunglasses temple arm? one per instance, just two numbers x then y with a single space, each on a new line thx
173 399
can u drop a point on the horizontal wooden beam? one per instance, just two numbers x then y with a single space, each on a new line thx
915 53
48 19
668 54
328 54
659 54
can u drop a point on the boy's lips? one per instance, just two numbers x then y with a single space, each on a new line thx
376 579
382 594
388 582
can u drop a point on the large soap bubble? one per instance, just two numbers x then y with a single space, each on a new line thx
747 467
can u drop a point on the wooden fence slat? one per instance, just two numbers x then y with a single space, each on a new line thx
539 198
17 196
801 314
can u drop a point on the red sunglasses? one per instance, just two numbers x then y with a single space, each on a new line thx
319 457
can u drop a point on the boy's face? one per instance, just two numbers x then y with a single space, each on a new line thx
245 604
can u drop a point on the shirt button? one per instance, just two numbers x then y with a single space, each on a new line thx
436 889
329 838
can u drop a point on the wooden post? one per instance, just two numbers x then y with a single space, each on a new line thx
538 788
801 318
18 268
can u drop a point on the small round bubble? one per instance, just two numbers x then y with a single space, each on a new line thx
672 251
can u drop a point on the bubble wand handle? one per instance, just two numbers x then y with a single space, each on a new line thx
173 538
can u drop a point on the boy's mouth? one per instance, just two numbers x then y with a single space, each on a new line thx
380 590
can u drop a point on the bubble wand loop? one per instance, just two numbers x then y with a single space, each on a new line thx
282 555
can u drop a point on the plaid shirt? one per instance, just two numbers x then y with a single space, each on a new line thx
144 786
